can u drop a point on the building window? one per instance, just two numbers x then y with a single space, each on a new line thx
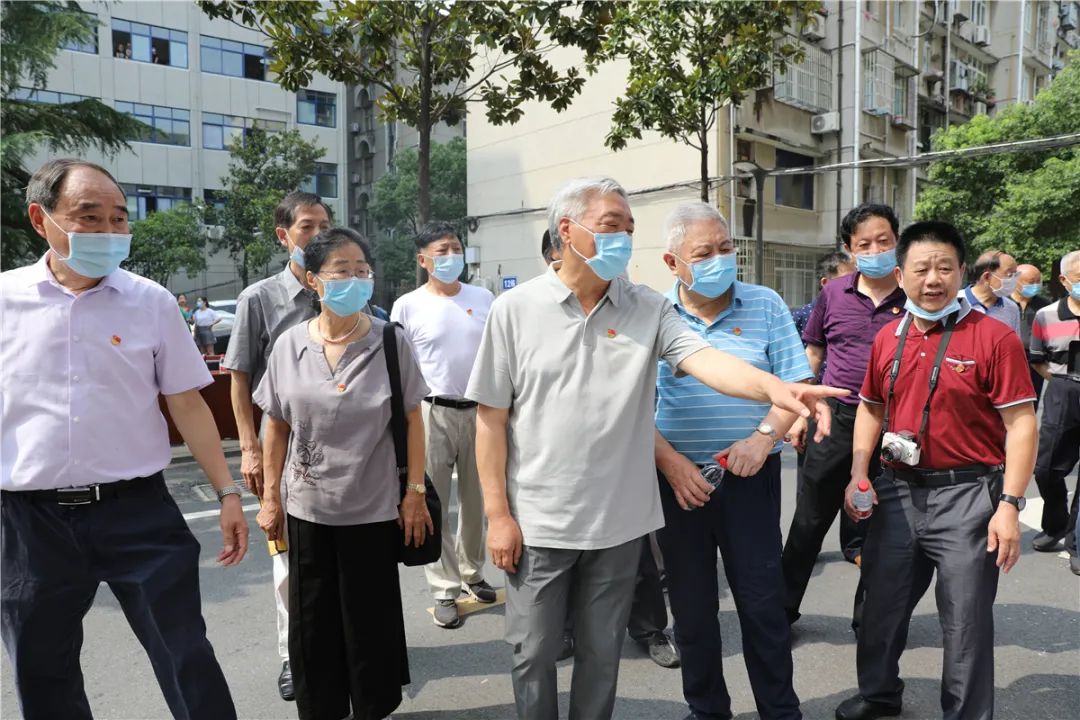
807 85
795 274
145 199
149 43
795 191
91 45
901 92
980 13
47 97
316 108
161 125
214 199
235 59
324 182
879 79
219 131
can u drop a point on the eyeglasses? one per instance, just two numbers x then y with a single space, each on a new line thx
365 274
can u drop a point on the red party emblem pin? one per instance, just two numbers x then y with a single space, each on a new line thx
468 311
737 331
960 368
611 333
116 340
341 387
896 311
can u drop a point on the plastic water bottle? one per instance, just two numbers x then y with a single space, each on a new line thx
863 499
713 474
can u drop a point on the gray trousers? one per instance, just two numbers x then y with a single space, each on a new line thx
913 532
598 585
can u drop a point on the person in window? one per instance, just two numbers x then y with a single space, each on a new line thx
127 52
154 56
205 319
120 50
326 393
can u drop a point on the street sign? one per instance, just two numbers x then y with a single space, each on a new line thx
509 282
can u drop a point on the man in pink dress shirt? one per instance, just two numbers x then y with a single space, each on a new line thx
87 349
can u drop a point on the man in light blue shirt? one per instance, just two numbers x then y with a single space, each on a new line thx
740 515
993 279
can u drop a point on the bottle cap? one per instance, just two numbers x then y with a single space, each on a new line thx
863 486
722 462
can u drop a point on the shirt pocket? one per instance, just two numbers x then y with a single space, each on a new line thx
960 374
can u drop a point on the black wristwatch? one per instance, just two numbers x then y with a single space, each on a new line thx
1019 502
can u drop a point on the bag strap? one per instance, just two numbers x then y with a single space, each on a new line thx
397 404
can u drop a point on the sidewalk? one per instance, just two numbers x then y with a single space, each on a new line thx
181 455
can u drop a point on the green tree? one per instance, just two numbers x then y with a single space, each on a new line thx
32 34
395 205
430 58
1020 202
263 168
688 58
168 241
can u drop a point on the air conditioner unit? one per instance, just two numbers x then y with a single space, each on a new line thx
356 178
1069 19
901 121
981 36
814 29
980 108
825 123
355 127
472 255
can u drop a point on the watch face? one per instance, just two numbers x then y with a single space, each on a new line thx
1021 503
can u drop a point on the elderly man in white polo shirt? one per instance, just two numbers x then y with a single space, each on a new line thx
566 384
88 348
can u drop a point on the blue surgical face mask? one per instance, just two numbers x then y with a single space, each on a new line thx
878 265
712 277
347 297
1074 290
612 252
94 255
447 267
932 316
1030 291
297 256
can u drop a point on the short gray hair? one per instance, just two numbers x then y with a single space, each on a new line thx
1070 260
44 186
572 200
685 215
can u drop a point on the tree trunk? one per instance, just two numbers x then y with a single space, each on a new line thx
704 165
423 152
243 268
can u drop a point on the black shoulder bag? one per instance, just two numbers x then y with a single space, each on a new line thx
431 549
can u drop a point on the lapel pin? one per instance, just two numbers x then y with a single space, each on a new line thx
737 331
611 333
896 311
116 340
341 388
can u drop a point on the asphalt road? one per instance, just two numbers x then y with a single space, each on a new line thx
463 673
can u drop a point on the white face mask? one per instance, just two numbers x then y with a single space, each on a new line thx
1007 286
94 255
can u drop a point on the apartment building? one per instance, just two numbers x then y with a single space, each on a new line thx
196 84
877 79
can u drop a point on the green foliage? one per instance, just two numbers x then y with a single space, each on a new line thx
1020 202
429 58
32 33
688 58
166 242
263 168
394 207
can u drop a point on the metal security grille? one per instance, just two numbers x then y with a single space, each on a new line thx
806 85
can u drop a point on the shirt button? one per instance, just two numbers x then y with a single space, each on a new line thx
75 378
75 338
922 354
75 419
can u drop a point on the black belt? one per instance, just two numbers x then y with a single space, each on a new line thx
942 478
85 495
451 403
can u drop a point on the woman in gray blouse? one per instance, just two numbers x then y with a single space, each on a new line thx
327 394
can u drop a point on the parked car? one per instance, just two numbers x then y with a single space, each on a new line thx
226 310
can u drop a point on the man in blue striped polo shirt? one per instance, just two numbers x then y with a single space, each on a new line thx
741 516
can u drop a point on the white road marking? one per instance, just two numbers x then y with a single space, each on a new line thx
211 513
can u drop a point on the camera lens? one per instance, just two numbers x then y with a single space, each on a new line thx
888 453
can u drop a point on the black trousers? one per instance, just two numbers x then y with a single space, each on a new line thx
1059 451
826 474
739 520
346 630
54 558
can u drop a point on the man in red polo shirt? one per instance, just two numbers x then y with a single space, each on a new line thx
949 388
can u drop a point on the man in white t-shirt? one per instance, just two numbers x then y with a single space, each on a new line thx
444 319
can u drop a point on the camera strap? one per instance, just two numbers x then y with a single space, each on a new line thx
935 371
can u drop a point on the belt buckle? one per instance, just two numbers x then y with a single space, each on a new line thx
79 495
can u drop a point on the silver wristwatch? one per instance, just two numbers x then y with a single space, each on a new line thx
231 490
417 488
767 429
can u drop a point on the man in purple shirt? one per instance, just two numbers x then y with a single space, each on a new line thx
841 329
88 349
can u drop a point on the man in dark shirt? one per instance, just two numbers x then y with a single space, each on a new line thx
841 329
1028 296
